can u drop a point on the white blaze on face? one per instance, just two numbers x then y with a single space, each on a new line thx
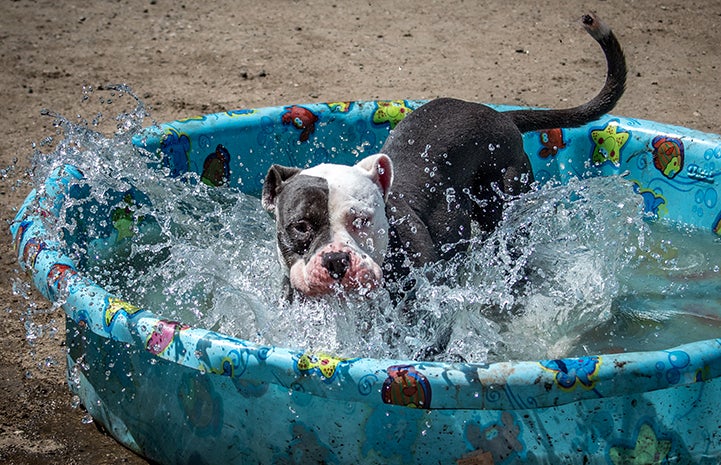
356 208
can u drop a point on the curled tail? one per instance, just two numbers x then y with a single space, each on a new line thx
533 120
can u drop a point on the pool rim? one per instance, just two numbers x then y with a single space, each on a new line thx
535 384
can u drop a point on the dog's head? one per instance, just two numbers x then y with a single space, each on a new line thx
332 230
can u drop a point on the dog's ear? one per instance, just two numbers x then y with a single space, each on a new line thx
277 175
379 168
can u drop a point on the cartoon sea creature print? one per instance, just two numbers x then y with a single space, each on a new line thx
176 147
574 372
339 107
407 387
163 335
123 218
648 449
216 167
552 141
716 228
301 118
668 155
233 363
32 249
608 143
20 233
116 306
652 202
495 442
58 278
391 112
323 363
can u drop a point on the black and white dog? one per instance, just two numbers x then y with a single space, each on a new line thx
446 164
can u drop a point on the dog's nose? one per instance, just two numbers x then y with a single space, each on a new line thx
336 263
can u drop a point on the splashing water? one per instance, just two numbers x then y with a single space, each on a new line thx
572 269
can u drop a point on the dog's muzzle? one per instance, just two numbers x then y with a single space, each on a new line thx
335 267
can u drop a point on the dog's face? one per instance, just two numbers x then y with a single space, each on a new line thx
332 231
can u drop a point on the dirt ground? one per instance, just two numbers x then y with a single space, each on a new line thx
185 59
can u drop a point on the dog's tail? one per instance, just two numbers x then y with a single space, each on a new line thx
533 120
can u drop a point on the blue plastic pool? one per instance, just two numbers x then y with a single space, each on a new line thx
177 394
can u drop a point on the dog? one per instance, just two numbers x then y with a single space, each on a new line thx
350 229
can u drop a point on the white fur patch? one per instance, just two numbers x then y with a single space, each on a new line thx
356 208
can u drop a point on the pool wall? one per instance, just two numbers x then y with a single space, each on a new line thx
176 394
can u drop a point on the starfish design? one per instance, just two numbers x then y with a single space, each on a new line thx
648 450
608 144
391 112
322 362
116 306
340 107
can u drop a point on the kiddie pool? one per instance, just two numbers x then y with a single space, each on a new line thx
175 394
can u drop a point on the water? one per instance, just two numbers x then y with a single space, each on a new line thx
572 270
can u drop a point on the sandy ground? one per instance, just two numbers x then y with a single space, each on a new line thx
185 59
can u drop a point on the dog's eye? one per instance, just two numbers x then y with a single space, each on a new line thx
301 235
301 228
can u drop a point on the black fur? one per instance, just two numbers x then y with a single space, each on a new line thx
306 215
458 162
